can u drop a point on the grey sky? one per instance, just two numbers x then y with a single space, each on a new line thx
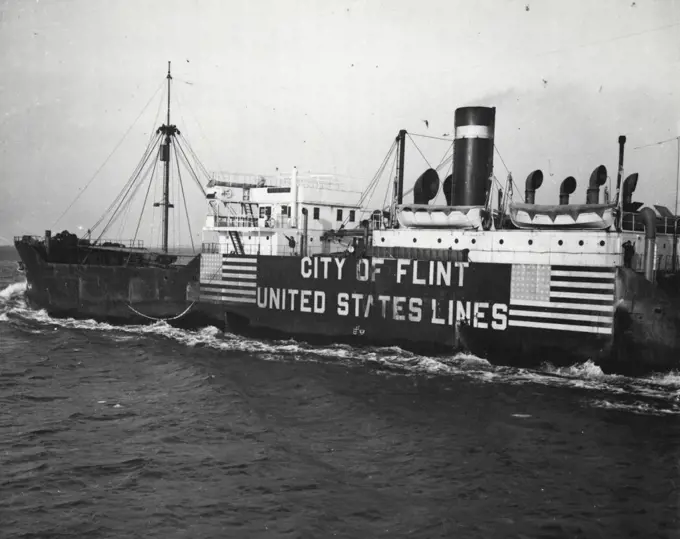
326 86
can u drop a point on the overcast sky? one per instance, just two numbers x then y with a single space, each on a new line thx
325 86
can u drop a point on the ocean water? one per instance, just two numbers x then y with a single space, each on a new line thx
150 431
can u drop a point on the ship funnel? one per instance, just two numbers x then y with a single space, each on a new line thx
472 155
426 187
597 178
533 182
567 187
448 189
629 185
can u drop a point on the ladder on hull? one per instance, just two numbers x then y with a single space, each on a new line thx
235 236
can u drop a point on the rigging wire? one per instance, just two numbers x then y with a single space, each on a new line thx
136 172
109 157
186 208
417 148
124 193
508 171
139 221
430 136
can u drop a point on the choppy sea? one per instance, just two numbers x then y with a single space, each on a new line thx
151 431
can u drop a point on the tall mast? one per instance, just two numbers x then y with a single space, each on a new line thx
169 131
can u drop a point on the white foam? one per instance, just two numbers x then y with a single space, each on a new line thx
15 289
661 388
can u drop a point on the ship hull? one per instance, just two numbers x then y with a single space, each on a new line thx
111 293
493 311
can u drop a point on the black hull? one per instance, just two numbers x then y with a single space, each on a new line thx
499 334
113 293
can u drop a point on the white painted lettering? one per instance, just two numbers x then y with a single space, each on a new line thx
416 279
325 261
369 304
463 312
431 273
443 273
384 300
362 270
376 264
461 267
435 318
478 320
499 315
340 262
397 306
319 301
415 309
343 304
292 293
357 303
305 299
451 312
261 298
275 298
401 269
306 267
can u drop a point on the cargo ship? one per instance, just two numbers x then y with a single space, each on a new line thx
515 282
120 281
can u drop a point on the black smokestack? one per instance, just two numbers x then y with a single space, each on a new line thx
473 154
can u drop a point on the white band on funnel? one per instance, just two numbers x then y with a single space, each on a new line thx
473 131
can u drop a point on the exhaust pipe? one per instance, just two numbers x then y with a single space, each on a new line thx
532 183
567 187
629 185
649 219
597 178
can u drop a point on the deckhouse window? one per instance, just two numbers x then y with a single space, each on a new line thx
265 211
351 216
339 216
316 213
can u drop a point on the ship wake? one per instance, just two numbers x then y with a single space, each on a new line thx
656 394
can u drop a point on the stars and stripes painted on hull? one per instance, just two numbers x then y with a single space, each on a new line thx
228 278
563 298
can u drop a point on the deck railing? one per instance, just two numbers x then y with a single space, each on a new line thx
633 222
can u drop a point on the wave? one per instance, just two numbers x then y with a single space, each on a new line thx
661 390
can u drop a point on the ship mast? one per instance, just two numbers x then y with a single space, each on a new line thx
169 131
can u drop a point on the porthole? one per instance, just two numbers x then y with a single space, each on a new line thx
267 238
560 242
455 241
580 242
531 242
414 240
601 243
474 241
500 241
382 239
439 240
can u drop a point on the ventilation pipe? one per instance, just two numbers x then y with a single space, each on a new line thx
533 182
305 228
448 190
619 173
629 185
597 178
294 198
649 219
426 187
567 187
48 241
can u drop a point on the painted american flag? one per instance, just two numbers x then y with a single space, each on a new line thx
564 298
228 278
